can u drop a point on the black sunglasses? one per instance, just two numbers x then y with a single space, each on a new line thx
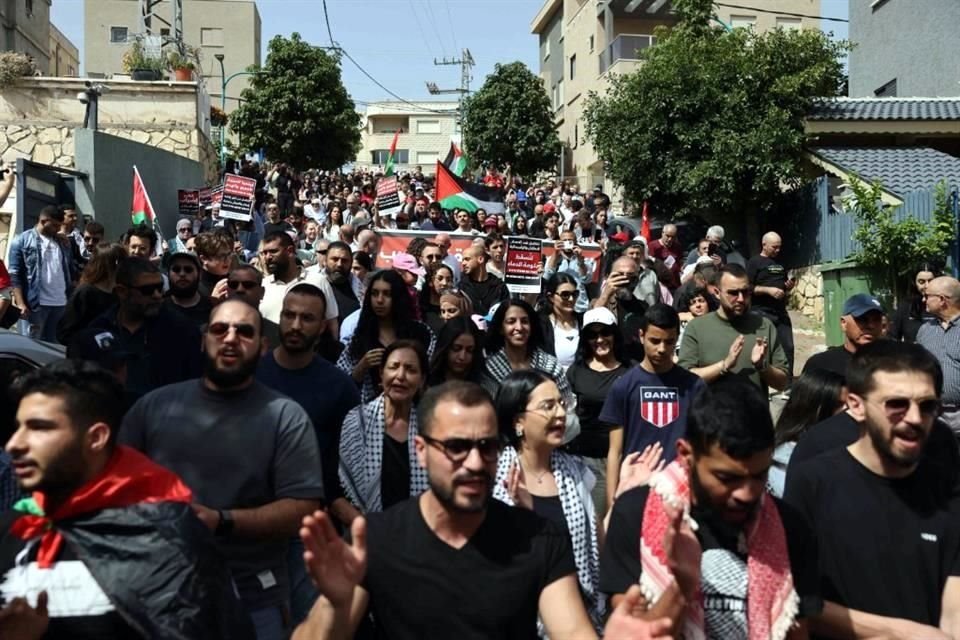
149 289
895 406
593 334
457 449
246 284
221 329
183 269
566 295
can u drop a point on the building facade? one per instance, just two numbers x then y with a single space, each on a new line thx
64 55
26 29
583 43
228 27
903 49
426 129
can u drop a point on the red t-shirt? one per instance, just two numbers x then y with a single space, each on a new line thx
4 276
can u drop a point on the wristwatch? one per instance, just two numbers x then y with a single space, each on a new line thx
225 523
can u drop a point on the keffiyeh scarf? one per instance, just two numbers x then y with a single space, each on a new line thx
569 473
772 603
361 456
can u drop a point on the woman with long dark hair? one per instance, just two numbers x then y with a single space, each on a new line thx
534 473
385 317
439 278
561 323
378 464
94 295
515 342
913 312
331 230
459 352
814 397
600 363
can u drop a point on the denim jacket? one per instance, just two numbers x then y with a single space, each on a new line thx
25 267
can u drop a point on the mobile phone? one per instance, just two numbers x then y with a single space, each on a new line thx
568 245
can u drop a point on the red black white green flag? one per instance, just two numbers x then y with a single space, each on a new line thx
453 192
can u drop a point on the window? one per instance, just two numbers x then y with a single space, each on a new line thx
557 96
428 126
118 34
71 71
573 66
789 24
888 90
576 134
211 37
29 4
426 157
379 156
743 22
546 46
164 31
591 44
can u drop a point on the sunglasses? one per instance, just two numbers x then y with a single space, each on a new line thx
457 449
899 406
736 293
321 252
593 334
184 269
566 295
221 329
246 284
149 289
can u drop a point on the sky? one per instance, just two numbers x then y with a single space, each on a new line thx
397 41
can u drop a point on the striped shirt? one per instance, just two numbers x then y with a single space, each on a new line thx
944 344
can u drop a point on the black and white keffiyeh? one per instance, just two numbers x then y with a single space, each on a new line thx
370 388
361 456
497 368
571 476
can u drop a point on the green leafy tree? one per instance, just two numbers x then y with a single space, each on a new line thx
297 108
509 121
893 249
712 121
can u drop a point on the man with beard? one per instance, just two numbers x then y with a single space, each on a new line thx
757 573
346 287
295 370
733 340
279 256
436 221
861 322
163 346
93 552
452 562
618 295
184 292
484 289
885 516
248 453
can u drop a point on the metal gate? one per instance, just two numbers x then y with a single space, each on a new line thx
39 185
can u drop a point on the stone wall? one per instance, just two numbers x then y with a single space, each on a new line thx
807 295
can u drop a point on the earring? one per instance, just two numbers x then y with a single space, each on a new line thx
519 433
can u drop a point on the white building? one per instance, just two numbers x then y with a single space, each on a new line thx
426 129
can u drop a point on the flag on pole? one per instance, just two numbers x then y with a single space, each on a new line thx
141 211
645 225
453 192
456 160
393 148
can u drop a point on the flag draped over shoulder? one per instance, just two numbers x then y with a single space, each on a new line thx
141 210
456 160
453 192
393 149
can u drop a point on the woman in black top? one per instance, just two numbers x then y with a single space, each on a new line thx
439 278
459 353
599 364
913 312
95 293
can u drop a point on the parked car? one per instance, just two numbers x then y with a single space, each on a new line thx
18 355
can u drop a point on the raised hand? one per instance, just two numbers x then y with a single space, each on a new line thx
683 552
733 353
516 487
20 621
758 352
638 467
335 566
624 623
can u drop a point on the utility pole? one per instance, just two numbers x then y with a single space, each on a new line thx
466 63
148 15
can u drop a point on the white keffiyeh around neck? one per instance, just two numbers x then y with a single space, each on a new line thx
361 456
569 472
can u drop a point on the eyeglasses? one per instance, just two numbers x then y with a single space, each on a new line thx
183 269
246 284
321 252
457 449
149 289
566 295
181 230
594 334
548 406
221 329
736 293
897 407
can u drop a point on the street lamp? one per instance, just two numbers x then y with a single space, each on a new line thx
224 80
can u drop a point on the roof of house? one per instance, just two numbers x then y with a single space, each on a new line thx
886 109
901 170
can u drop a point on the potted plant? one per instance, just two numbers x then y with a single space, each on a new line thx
218 117
14 66
182 64
140 66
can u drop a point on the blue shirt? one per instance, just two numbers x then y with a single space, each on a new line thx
651 408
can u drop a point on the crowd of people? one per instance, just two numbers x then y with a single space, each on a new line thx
270 429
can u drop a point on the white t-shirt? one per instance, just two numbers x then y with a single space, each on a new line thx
53 282
565 343
274 292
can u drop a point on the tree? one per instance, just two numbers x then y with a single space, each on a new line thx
712 122
297 109
510 121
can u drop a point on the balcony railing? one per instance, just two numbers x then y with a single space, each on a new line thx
625 47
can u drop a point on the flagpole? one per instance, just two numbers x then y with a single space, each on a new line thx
156 216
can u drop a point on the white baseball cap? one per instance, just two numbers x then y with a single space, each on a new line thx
599 315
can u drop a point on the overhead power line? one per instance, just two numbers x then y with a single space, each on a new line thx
326 17
780 13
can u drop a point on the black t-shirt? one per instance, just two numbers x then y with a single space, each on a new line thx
723 567
484 294
420 587
550 508
591 389
886 546
198 314
766 272
834 359
79 609
395 472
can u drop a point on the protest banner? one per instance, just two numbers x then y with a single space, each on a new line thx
238 196
206 198
523 258
388 196
188 202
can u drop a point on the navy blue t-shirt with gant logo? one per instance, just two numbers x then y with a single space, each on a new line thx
651 407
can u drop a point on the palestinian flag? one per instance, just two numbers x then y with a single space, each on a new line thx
393 149
141 211
453 192
456 160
